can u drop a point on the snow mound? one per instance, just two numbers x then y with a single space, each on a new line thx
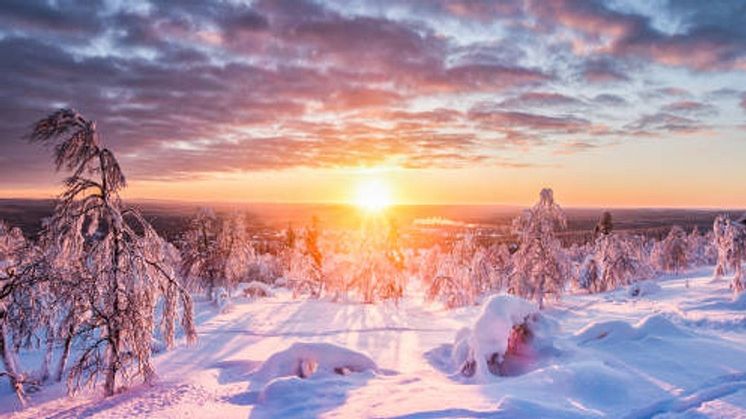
305 360
507 326
655 325
643 289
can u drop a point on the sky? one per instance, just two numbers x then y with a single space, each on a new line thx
610 103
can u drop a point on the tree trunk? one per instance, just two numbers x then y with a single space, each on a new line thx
65 354
44 376
8 361
112 368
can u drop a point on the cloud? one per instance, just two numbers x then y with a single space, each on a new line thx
185 88
703 45
690 107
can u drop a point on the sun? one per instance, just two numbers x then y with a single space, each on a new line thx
373 195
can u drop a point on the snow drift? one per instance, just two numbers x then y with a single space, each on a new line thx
305 360
617 330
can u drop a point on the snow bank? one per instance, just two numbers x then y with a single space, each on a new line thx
618 330
505 323
643 289
311 359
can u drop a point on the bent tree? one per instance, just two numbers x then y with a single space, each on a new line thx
115 266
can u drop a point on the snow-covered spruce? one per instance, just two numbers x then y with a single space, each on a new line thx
305 360
506 325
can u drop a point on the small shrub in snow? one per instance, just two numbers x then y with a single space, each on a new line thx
643 288
506 323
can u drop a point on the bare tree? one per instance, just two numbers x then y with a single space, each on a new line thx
113 260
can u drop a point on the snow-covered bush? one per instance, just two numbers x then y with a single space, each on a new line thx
461 276
505 325
114 266
643 289
540 265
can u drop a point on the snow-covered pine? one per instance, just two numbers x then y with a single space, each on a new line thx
540 265
112 260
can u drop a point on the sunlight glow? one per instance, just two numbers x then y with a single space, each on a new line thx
373 195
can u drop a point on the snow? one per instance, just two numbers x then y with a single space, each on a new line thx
676 352
490 334
305 360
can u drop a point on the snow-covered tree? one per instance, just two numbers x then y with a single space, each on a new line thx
305 273
730 239
605 226
622 260
735 236
590 274
540 264
216 252
696 248
671 253
719 229
114 263
374 263
25 313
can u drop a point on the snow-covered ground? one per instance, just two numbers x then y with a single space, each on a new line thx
677 350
